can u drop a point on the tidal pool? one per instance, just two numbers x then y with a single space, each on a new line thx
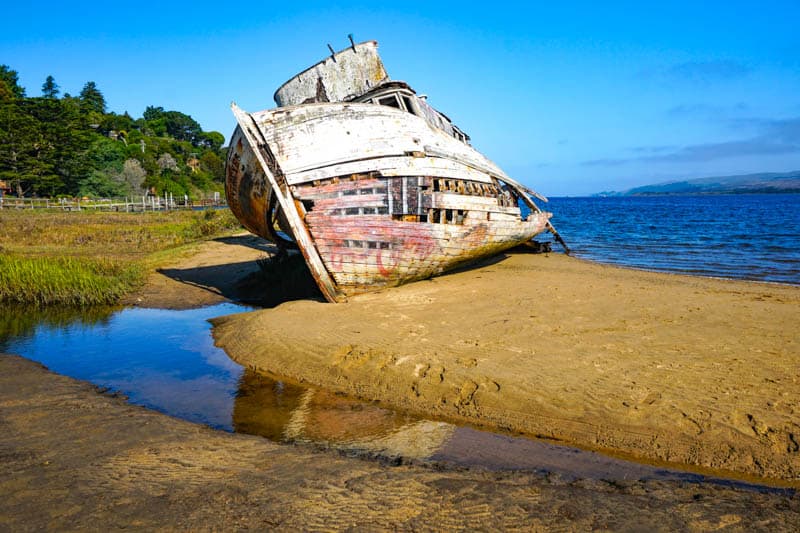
166 360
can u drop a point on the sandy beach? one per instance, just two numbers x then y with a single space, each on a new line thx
605 357
657 367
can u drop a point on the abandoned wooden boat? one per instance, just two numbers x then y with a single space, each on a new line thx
372 184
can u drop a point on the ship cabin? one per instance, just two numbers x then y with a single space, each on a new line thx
357 74
399 95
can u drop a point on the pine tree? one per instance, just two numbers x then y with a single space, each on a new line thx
9 84
92 99
50 88
20 144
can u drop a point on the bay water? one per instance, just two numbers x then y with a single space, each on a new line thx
747 236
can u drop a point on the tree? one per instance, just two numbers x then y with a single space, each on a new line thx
153 113
38 175
50 88
20 144
167 163
132 176
59 144
105 153
213 164
177 125
64 139
106 158
68 137
92 99
9 84
101 184
182 127
211 139
118 123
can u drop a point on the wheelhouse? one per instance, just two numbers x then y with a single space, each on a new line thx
399 95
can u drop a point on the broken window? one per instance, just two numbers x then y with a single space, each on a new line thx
445 216
409 105
390 100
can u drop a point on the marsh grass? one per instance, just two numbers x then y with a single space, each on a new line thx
66 280
81 259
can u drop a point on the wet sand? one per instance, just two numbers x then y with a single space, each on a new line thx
658 367
73 458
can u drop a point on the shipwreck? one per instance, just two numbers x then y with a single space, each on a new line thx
373 185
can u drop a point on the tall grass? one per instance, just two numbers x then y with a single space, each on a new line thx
66 280
122 234
80 259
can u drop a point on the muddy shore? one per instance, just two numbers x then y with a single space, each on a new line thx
72 457
658 367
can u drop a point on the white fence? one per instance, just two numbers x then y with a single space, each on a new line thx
141 203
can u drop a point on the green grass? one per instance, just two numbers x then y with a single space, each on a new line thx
66 280
35 232
81 259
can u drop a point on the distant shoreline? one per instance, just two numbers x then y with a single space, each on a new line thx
696 193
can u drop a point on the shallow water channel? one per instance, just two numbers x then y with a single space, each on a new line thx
166 360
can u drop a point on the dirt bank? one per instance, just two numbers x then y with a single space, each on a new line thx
662 367
71 458
208 273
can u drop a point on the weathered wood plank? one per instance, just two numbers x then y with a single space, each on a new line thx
393 166
359 200
449 200
356 132
343 183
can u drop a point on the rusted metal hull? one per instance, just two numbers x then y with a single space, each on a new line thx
372 196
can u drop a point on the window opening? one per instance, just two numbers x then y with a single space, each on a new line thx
409 105
390 101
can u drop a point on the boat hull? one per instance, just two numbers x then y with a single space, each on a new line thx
380 196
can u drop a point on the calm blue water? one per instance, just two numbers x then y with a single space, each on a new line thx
754 237
159 358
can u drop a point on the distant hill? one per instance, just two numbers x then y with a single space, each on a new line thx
765 182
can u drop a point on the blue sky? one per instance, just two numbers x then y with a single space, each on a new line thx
570 98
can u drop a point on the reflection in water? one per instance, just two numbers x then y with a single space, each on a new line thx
264 406
162 359
285 412
19 322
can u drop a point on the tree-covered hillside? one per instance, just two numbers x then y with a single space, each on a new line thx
763 182
55 144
